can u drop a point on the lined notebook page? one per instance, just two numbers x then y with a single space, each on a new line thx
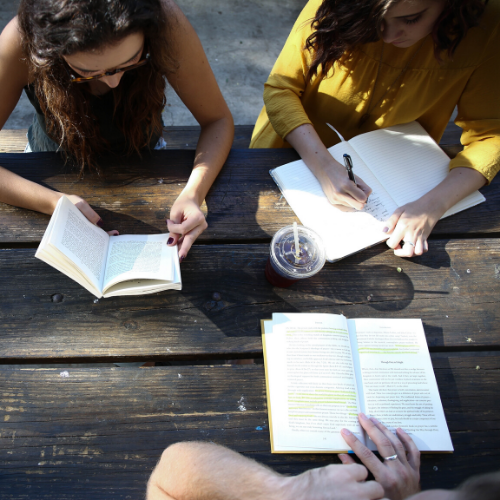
407 162
343 232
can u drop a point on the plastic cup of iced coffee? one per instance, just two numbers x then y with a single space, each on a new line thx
288 264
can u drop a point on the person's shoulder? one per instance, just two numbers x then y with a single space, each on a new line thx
481 43
12 57
11 36
308 14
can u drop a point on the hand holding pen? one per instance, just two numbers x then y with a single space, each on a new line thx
348 166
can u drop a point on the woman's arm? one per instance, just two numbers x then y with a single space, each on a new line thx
413 222
195 84
282 96
15 190
479 117
329 172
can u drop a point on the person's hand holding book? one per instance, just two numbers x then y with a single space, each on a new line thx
88 211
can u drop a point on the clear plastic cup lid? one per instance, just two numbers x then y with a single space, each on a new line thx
311 255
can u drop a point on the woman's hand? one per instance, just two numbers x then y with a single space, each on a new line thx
186 223
412 224
88 211
330 173
339 189
400 478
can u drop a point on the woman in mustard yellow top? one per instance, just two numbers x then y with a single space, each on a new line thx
366 64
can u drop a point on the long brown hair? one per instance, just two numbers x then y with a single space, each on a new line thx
54 28
341 25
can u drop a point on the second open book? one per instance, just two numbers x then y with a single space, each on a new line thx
133 264
323 369
400 164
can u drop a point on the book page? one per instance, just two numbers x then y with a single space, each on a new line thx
311 383
132 257
343 230
398 380
408 163
82 243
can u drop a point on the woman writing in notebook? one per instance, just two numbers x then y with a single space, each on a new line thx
362 65
96 74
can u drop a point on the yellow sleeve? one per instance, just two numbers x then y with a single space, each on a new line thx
479 116
287 81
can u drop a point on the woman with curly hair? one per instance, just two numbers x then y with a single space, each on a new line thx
96 72
362 65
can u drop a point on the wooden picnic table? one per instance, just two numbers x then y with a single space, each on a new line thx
75 425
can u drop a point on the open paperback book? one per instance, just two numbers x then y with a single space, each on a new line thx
105 265
400 164
323 369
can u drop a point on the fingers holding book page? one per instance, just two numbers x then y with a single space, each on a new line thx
88 211
409 226
399 470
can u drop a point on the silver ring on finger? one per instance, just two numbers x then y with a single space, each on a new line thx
409 243
391 458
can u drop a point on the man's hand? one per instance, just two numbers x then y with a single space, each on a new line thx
334 482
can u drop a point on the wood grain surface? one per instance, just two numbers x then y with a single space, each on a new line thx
135 196
14 140
98 432
455 289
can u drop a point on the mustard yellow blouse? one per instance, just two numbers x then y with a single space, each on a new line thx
428 91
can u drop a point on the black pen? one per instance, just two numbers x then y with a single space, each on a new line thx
348 166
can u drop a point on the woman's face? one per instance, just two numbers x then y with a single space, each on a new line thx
124 53
408 21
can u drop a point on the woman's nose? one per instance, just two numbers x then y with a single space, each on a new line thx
113 80
390 32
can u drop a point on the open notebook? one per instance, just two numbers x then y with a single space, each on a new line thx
400 164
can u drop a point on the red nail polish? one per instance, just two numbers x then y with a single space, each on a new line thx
170 241
181 258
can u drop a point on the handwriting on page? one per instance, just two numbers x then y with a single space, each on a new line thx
376 209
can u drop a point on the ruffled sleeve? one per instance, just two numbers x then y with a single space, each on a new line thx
287 81
479 115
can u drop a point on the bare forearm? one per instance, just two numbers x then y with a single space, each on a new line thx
307 143
202 471
20 192
211 153
459 183
331 175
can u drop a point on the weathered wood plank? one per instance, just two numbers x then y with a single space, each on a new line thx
14 140
243 205
460 309
97 433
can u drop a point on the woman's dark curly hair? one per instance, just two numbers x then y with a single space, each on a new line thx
51 29
340 25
